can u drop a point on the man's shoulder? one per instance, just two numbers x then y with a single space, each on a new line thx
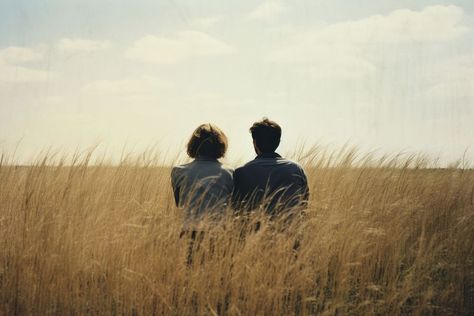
292 163
246 166
238 171
279 162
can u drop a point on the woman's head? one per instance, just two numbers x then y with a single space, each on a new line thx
207 141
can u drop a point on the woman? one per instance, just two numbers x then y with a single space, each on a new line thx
203 187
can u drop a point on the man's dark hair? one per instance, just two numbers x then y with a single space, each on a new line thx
266 134
207 140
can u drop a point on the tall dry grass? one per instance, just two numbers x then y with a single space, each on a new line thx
382 236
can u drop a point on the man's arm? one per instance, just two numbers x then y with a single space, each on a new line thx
304 189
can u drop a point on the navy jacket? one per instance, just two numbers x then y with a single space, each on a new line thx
271 182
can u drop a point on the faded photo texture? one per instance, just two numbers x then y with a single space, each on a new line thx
98 99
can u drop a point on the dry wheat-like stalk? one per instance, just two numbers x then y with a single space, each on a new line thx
385 236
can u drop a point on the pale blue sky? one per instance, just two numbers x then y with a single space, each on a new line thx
386 75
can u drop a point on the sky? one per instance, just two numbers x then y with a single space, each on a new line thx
385 76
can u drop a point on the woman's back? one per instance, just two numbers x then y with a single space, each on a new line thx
202 187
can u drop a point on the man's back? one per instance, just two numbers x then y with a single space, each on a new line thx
272 182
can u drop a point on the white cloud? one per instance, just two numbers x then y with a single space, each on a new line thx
343 67
340 49
267 11
449 90
460 68
19 74
205 22
452 79
326 61
17 55
185 45
432 24
52 100
12 72
122 87
69 45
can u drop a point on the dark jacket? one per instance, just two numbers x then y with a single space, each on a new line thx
270 181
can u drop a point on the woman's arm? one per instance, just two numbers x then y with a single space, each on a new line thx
175 184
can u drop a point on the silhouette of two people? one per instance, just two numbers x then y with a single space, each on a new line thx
204 187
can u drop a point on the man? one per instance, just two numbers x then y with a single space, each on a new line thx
269 181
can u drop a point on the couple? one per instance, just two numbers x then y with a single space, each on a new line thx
205 188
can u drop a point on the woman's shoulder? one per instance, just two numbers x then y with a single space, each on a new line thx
176 169
208 167
179 169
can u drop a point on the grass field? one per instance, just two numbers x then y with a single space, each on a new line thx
383 236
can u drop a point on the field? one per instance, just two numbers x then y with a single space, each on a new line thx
383 236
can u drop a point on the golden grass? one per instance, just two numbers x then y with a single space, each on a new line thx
381 236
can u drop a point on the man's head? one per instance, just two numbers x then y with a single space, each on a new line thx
207 141
266 136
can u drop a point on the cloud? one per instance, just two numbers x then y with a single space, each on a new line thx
17 55
19 74
129 87
267 11
432 24
450 90
459 68
205 22
69 45
346 49
343 67
325 61
453 78
11 70
183 46
52 100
